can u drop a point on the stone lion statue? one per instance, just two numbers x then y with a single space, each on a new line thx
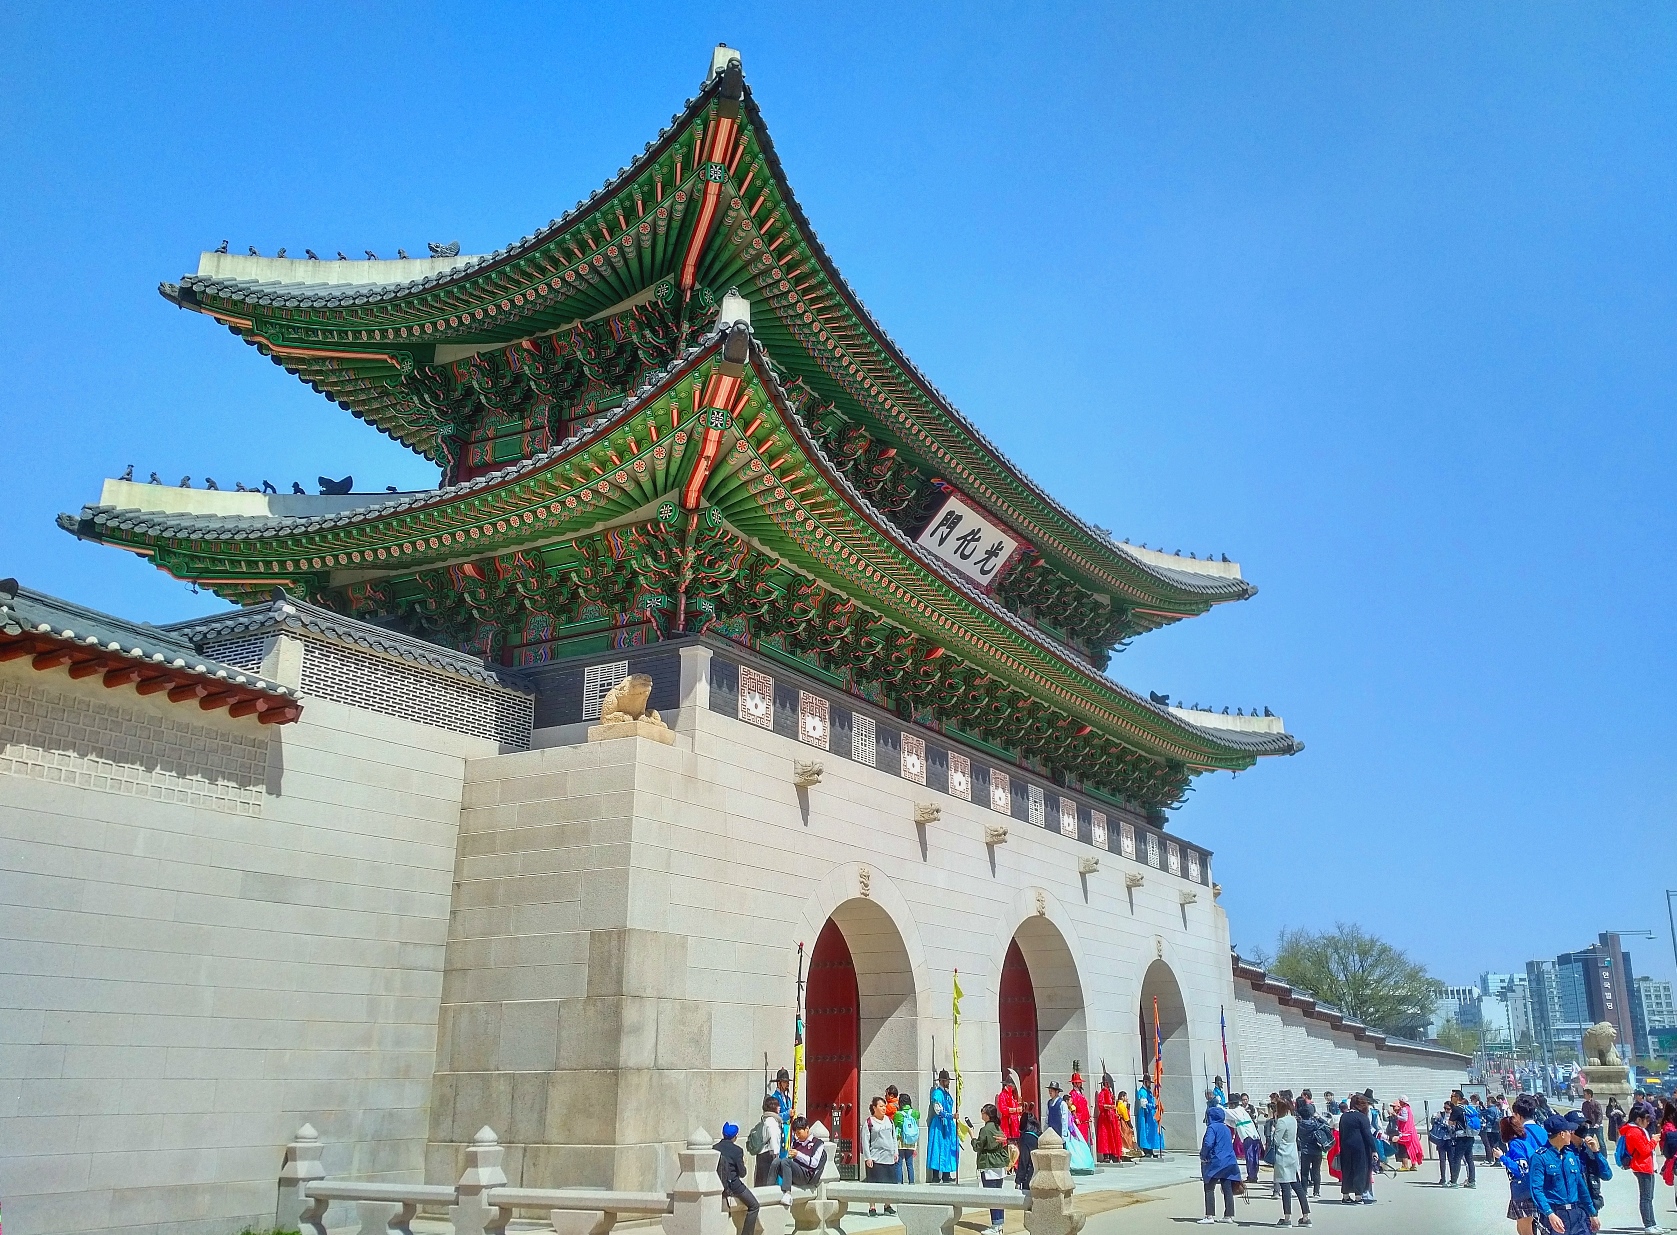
1599 1045
627 702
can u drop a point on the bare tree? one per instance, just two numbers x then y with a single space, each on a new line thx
1360 974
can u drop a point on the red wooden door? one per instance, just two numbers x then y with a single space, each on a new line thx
1018 1020
833 1030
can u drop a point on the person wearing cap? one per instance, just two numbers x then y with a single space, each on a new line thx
1079 1103
730 1169
1149 1137
943 1152
1557 1182
1109 1125
782 1094
1056 1120
1218 1092
1007 1106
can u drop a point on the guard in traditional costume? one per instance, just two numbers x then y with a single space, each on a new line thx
1007 1107
1079 1103
943 1151
1148 1135
1109 1126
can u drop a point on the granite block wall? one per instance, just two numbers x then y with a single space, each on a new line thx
210 931
623 947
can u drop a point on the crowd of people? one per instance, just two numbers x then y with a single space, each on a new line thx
897 1140
1555 1161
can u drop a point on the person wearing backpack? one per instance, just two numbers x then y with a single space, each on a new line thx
1442 1136
1314 1139
1636 1154
1464 1126
908 1135
762 1143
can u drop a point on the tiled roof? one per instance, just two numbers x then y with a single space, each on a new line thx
1317 1009
249 527
280 294
137 653
286 613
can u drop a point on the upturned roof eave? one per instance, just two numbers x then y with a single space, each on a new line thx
1172 595
1192 744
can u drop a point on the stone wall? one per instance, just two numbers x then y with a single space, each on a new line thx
1281 1048
623 950
210 931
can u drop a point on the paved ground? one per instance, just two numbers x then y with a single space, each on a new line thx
1410 1204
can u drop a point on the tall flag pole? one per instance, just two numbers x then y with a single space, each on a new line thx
1223 1026
1158 1065
798 1035
955 1050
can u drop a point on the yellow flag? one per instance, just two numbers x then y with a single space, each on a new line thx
955 1057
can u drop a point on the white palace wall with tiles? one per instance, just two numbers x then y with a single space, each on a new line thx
624 947
211 930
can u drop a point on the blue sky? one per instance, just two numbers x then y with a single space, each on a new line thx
1378 300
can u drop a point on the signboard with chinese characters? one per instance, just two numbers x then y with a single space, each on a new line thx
965 539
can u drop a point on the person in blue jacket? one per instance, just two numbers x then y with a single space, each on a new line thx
1557 1182
1526 1140
1218 1165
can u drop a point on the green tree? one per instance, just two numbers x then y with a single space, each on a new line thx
1363 976
1458 1038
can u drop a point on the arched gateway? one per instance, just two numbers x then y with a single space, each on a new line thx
859 1021
1181 1106
1043 1028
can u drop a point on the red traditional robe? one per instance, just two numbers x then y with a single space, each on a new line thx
1007 1107
1080 1111
1109 1128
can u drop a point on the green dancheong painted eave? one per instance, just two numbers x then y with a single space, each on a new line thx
621 246
779 551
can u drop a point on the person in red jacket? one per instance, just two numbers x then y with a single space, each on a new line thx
1639 1149
1079 1103
1007 1107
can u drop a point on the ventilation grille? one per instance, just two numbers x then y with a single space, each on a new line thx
393 688
245 653
598 681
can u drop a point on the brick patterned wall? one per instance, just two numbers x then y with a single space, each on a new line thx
98 744
1281 1049
382 684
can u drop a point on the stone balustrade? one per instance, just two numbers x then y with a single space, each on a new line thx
482 1203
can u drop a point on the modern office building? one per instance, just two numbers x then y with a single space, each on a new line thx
1652 1002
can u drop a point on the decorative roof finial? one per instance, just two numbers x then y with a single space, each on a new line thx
735 308
720 59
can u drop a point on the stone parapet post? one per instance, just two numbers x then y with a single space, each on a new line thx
697 1207
302 1167
1053 1210
471 1213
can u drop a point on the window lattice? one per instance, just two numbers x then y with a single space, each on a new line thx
394 688
598 681
864 746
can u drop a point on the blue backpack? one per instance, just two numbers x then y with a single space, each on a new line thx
1621 1155
908 1129
1472 1117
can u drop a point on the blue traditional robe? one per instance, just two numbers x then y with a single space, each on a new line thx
1147 1133
1057 1112
942 1151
